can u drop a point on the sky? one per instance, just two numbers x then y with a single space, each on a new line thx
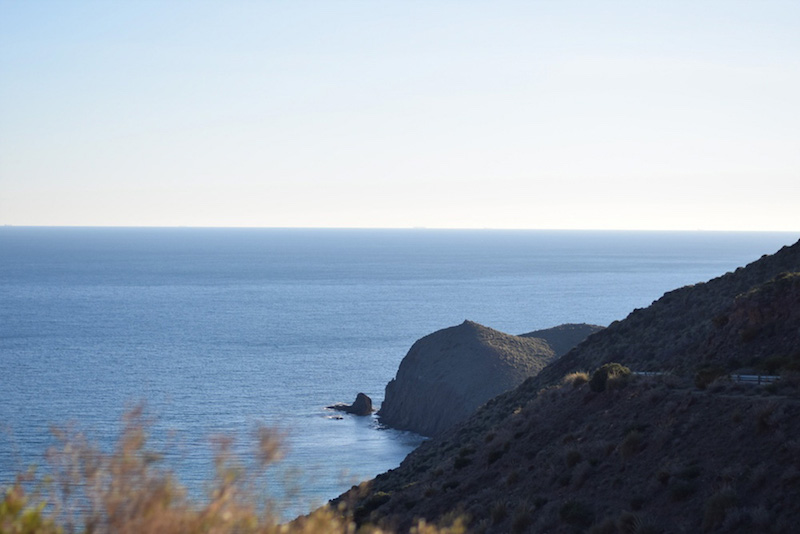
639 115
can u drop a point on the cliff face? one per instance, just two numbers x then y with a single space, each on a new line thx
447 375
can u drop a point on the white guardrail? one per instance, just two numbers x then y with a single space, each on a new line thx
755 379
740 379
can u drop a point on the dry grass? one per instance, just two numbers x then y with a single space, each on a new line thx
129 491
576 379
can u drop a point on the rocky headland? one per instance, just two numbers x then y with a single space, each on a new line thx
447 375
563 338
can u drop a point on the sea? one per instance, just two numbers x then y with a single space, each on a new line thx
218 331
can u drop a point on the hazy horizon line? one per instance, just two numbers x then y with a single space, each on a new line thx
453 228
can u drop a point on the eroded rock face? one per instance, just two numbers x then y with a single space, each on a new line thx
361 406
447 375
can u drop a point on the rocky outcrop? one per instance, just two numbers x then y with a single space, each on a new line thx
447 375
361 406
565 337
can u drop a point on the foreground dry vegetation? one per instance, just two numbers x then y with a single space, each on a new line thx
129 491
606 452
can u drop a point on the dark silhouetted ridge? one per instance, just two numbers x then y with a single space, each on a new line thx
650 454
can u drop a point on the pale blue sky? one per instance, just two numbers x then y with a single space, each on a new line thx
557 114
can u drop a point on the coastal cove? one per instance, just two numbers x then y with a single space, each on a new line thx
217 329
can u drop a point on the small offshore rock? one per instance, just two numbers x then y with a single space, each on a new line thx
361 406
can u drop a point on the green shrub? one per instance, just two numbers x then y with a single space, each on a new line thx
774 364
720 320
495 455
606 526
631 445
690 472
523 518
466 451
513 478
682 490
499 512
630 523
19 516
450 485
608 374
637 503
576 379
461 462
750 333
717 506
577 514
764 417
705 375
573 457
627 522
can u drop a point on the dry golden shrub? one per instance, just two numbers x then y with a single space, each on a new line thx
130 491
576 379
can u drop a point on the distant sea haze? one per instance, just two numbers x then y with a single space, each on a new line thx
218 329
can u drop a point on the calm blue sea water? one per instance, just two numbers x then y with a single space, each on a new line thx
218 329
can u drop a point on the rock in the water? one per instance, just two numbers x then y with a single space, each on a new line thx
447 375
361 406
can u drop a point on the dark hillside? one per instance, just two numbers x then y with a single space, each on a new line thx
563 338
673 460
667 335
659 455
759 332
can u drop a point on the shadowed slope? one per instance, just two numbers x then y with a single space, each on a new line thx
565 337
547 457
675 459
667 335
